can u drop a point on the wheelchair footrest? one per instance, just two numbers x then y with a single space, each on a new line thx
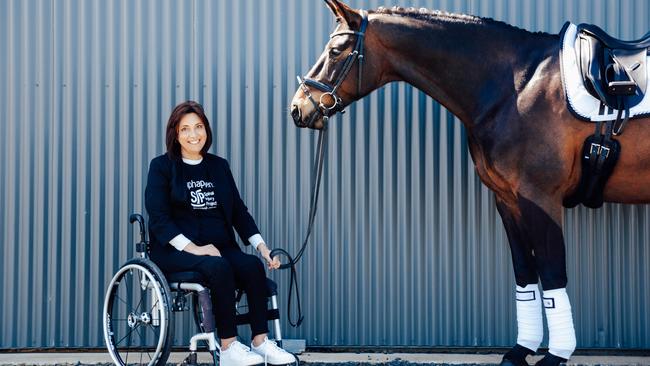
190 360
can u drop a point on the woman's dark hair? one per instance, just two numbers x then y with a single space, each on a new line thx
171 138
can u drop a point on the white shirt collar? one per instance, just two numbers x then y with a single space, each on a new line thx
192 162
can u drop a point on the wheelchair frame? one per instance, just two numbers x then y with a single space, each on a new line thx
159 318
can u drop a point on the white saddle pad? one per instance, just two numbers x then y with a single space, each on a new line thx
580 101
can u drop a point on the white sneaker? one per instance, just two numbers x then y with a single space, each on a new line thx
273 354
239 355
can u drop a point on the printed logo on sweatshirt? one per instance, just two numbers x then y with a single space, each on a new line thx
202 195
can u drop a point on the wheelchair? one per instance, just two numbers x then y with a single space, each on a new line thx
140 300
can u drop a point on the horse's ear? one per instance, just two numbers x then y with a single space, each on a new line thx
333 7
345 13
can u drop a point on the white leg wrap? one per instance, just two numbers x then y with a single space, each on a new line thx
562 336
530 325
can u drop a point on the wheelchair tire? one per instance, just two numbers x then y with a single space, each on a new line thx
137 318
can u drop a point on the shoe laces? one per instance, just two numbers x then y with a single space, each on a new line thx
268 343
272 344
240 346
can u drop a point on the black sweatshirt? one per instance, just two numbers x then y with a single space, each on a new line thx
199 201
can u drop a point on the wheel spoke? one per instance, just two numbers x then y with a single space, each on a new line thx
127 335
154 330
141 292
139 302
153 306
128 347
139 334
122 300
150 358
128 283
146 348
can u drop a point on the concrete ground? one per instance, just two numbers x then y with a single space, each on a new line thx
322 359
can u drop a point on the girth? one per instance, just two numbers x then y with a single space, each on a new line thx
599 156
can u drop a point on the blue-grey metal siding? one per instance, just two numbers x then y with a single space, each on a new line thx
408 248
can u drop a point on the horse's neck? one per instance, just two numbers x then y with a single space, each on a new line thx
469 67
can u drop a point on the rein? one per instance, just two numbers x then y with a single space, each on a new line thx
317 173
326 111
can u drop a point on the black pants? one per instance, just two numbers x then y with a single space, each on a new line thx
223 275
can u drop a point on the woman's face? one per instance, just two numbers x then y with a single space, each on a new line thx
191 134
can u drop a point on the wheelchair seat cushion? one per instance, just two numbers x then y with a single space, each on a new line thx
196 277
187 277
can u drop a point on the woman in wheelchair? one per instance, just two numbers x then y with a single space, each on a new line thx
193 205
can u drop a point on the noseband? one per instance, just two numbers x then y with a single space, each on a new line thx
326 107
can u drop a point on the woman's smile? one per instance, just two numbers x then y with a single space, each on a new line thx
191 136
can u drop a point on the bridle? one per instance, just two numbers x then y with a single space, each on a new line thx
329 102
326 111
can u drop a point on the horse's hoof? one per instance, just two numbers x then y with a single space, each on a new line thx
516 356
550 360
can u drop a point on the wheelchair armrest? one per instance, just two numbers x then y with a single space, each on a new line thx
137 217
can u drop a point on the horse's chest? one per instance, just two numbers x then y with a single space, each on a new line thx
495 179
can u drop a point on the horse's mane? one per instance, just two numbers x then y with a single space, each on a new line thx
437 15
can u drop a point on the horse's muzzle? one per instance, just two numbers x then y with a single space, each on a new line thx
309 121
297 116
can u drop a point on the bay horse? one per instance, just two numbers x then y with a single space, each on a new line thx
505 86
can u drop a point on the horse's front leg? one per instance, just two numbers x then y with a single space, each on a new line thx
538 253
530 326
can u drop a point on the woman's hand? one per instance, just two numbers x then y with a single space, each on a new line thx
266 254
208 249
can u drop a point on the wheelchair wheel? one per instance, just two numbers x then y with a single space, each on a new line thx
138 326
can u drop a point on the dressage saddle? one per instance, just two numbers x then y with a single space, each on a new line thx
614 71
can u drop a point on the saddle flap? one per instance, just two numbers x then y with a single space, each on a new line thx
587 49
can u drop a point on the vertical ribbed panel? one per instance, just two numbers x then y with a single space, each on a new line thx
408 248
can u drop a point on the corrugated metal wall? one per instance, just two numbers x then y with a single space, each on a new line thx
408 248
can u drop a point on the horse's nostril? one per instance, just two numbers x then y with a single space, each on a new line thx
295 113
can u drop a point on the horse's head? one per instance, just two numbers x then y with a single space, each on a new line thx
340 76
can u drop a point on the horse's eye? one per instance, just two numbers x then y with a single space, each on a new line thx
335 51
